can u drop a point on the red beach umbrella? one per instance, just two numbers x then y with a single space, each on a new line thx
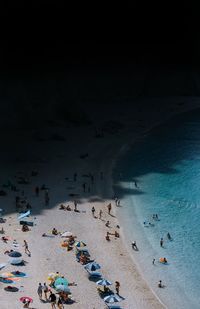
26 298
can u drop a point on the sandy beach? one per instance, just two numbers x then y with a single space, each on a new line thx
56 160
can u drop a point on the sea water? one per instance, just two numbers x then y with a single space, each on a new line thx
160 175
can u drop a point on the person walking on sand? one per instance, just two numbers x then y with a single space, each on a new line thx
46 290
117 286
26 250
100 213
75 205
93 211
109 208
52 299
39 291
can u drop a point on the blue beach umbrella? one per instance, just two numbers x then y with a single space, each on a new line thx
103 282
61 281
80 244
14 254
114 298
92 266
18 274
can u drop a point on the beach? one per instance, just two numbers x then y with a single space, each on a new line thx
56 159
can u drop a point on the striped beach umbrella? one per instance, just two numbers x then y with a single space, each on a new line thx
92 266
114 298
104 282
80 244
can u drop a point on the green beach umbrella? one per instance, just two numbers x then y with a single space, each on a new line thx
61 281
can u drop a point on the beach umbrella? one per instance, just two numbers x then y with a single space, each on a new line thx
18 274
61 281
66 234
62 288
2 265
15 261
26 214
51 276
114 298
103 282
14 254
6 280
80 244
11 289
26 299
92 266
6 275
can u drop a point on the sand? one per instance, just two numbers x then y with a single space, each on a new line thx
55 161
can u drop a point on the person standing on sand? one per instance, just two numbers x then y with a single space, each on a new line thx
46 290
52 299
26 250
117 286
109 208
75 205
93 211
39 291
100 213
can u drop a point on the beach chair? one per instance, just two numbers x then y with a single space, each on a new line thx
113 306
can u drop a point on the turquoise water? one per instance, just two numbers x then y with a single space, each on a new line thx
166 165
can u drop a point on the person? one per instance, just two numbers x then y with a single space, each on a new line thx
160 285
116 234
54 231
93 211
136 186
39 291
46 290
60 303
62 207
75 205
25 228
118 202
52 299
27 251
68 208
2 231
161 242
153 261
169 236
109 208
107 236
107 224
117 286
26 303
100 213
134 246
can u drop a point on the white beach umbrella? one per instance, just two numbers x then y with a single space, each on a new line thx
114 298
66 234
104 282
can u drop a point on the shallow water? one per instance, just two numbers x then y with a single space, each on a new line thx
166 166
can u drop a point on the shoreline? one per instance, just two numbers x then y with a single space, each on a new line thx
118 264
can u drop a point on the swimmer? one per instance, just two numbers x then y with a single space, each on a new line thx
169 236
